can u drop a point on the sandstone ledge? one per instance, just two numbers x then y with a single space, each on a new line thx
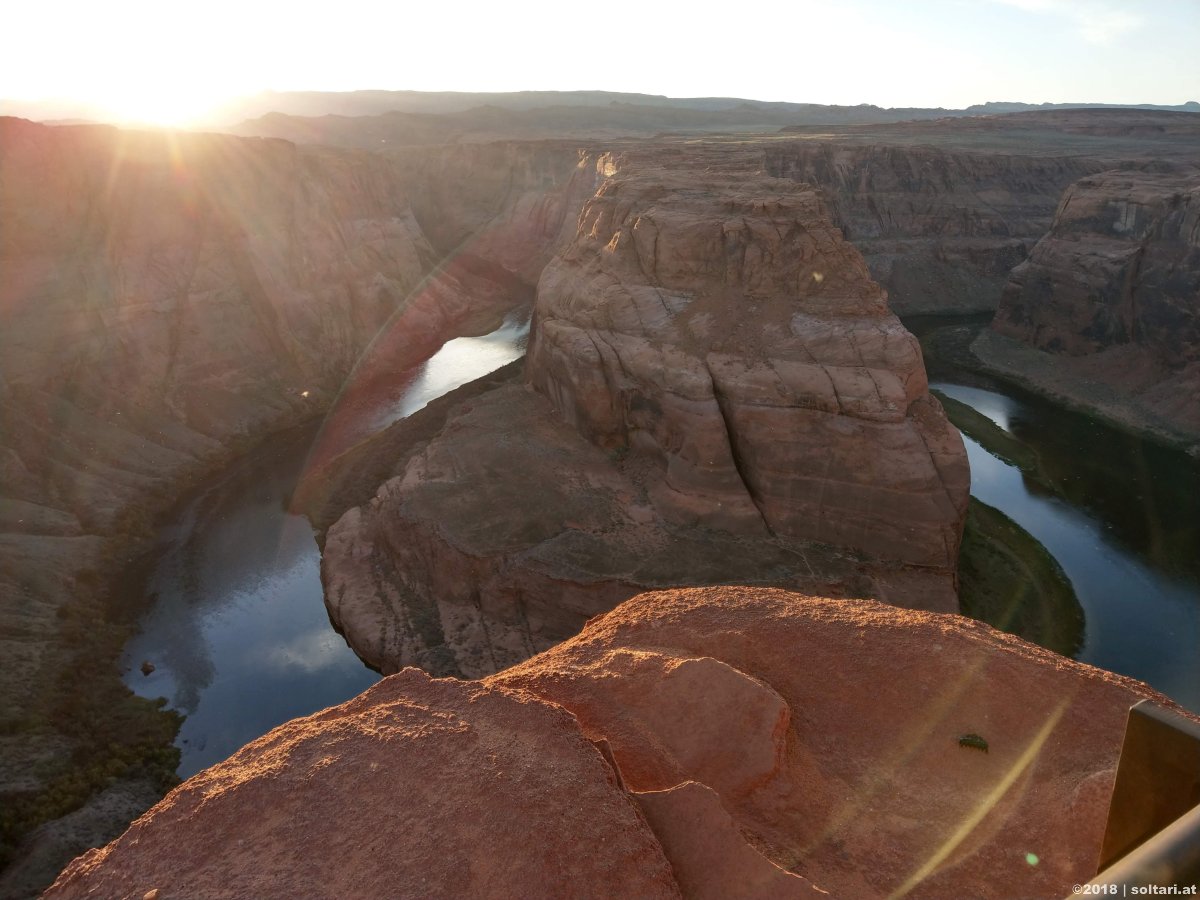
1123 386
774 745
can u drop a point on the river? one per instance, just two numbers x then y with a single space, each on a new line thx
237 630
240 639
1120 514
1125 533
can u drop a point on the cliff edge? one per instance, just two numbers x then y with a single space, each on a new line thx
721 742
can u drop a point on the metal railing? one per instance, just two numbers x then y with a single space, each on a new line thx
1152 839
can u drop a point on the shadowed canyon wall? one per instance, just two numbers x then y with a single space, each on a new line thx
168 299
514 203
1140 235
939 228
1111 298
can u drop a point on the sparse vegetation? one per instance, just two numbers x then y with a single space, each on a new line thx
991 436
112 733
1009 580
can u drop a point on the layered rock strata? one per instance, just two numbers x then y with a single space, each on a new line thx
168 299
940 228
717 392
723 330
1107 308
515 204
724 742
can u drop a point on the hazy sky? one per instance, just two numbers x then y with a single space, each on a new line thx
169 60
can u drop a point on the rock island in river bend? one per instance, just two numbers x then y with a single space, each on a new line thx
715 392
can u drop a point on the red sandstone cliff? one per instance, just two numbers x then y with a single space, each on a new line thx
1111 299
721 328
725 742
940 227
719 394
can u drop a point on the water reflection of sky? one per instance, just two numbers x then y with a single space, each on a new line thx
1140 621
241 640
238 632
239 635
997 407
459 361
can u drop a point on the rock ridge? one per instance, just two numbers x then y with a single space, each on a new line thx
698 743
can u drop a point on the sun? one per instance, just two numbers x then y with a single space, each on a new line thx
157 102
133 62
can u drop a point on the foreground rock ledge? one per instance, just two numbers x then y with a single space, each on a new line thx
717 742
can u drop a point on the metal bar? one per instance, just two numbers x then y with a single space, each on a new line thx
1152 837
1158 779
1171 857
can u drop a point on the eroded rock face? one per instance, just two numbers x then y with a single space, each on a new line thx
515 203
716 394
507 531
721 327
720 742
829 732
1113 292
168 299
1121 265
940 228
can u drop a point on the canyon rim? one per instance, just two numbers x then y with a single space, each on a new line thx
678 590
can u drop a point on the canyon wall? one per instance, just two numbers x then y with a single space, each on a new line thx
514 203
716 393
710 743
168 299
940 228
1106 311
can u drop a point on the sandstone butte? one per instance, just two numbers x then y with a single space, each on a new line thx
710 742
716 393
1104 313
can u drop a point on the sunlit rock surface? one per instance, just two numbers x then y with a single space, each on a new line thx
721 327
720 742
716 393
